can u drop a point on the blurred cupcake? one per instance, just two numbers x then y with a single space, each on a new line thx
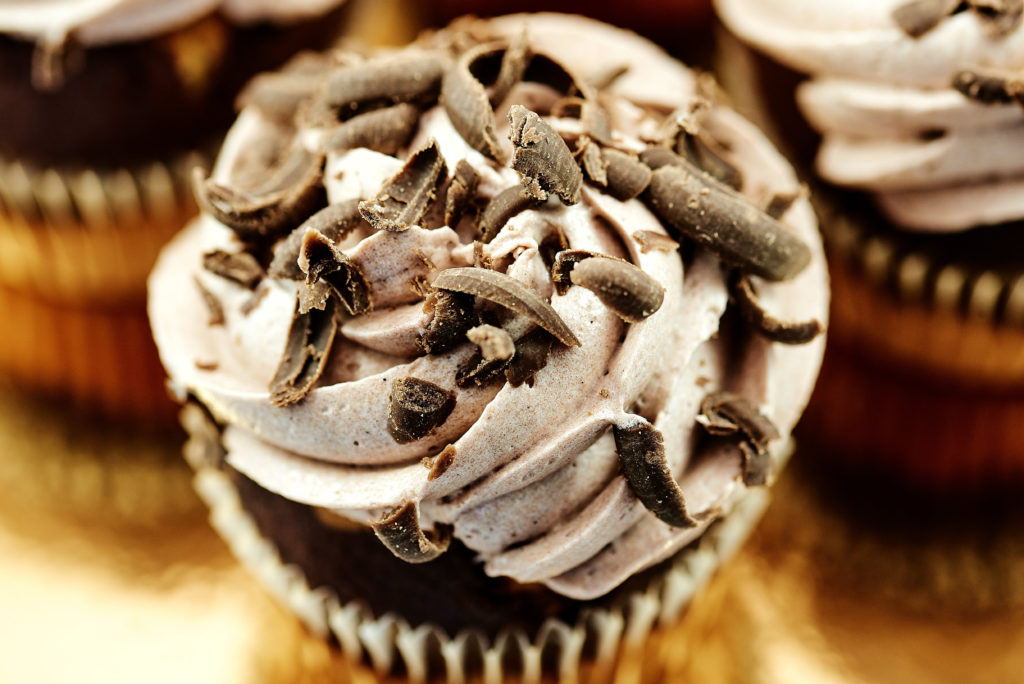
107 107
918 112
467 388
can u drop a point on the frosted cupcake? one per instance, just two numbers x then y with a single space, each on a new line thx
108 104
466 386
916 106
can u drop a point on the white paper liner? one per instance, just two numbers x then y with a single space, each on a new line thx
388 640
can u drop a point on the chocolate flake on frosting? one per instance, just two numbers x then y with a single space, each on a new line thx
918 17
726 223
383 130
467 105
405 199
453 315
651 241
278 95
321 260
411 76
503 207
627 176
989 86
508 292
400 531
625 288
542 158
532 351
416 407
241 267
442 462
514 61
743 293
724 413
641 450
1003 17
460 193
305 354
561 269
214 309
335 221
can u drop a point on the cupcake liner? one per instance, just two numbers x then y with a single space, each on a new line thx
605 644
89 236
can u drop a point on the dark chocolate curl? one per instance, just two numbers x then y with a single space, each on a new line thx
416 407
382 130
724 413
532 351
400 531
335 221
627 176
542 158
1002 17
238 267
460 193
561 270
503 207
641 450
786 332
508 292
405 199
292 193
322 261
513 65
726 223
305 354
278 94
467 105
453 315
989 87
405 77
918 17
625 288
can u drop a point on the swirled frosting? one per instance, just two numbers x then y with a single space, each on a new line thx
95 22
884 101
531 478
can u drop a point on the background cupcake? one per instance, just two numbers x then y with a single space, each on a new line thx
107 107
917 120
491 361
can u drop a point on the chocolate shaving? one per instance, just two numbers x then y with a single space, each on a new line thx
508 292
532 351
442 462
240 267
542 158
453 315
335 221
563 265
467 105
726 223
1002 17
460 193
743 293
383 130
502 208
593 162
405 199
626 289
702 154
416 407
641 450
208 366
321 260
989 87
495 343
278 95
305 354
651 241
214 309
290 194
553 243
399 530
657 157
918 17
627 176
781 202
514 61
724 413
479 371
406 77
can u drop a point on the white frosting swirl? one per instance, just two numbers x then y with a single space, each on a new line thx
534 487
97 22
890 119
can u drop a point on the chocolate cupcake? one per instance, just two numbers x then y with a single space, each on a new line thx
488 358
916 118
107 108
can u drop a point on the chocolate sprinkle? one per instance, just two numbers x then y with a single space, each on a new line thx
742 290
453 315
321 260
335 221
467 105
627 290
726 223
400 532
542 158
405 77
508 292
641 450
214 309
405 199
627 176
918 17
460 193
416 407
383 130
724 413
532 351
503 207
495 343
241 267
305 354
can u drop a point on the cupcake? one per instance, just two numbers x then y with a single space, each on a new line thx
916 116
492 347
107 107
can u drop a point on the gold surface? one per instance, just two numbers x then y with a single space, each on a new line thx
109 572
